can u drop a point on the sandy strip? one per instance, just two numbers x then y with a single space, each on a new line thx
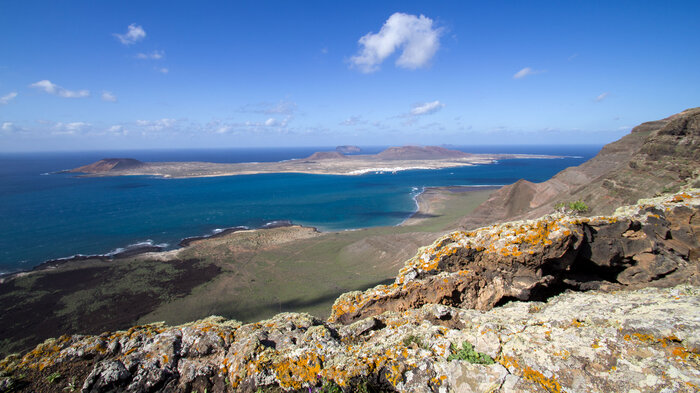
432 199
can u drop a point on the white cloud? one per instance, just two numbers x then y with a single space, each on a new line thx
156 125
427 108
162 70
7 126
525 72
134 33
55 89
270 122
155 55
108 96
602 96
117 129
69 128
414 35
8 97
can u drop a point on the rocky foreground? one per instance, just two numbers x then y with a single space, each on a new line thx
449 322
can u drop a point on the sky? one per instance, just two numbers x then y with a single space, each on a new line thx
95 75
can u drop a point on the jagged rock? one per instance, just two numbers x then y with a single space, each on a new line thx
576 342
531 260
107 376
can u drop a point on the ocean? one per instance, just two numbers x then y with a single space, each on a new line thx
48 216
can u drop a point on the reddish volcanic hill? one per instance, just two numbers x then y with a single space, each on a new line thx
420 153
109 164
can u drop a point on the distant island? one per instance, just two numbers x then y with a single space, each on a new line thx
393 159
347 149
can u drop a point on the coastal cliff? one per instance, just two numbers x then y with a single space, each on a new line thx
655 157
430 330
547 301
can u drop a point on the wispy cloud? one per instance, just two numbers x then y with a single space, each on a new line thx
602 96
162 70
156 125
414 35
7 126
55 89
69 128
8 97
134 33
426 108
526 72
108 96
570 58
269 108
155 55
353 121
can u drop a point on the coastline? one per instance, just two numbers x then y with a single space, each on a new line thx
346 166
244 274
428 201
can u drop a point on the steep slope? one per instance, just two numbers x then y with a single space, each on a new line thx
656 156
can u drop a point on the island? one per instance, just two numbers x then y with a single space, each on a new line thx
393 159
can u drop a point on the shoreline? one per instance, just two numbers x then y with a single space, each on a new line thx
356 165
427 201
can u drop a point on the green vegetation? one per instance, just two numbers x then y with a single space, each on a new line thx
330 387
575 207
413 339
670 189
71 386
53 377
469 354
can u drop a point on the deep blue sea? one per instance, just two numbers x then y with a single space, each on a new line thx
47 216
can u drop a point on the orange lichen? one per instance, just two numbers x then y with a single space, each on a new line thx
549 384
293 373
576 323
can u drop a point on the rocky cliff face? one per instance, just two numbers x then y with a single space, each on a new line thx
429 331
655 157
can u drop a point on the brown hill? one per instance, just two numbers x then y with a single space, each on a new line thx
109 164
420 153
655 157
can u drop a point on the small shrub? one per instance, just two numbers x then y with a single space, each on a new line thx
71 386
575 207
578 206
53 377
468 354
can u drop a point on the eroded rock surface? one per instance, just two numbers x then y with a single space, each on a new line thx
576 342
410 336
654 243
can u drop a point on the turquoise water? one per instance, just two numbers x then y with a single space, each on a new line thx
47 216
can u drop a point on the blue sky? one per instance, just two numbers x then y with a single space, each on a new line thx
84 75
